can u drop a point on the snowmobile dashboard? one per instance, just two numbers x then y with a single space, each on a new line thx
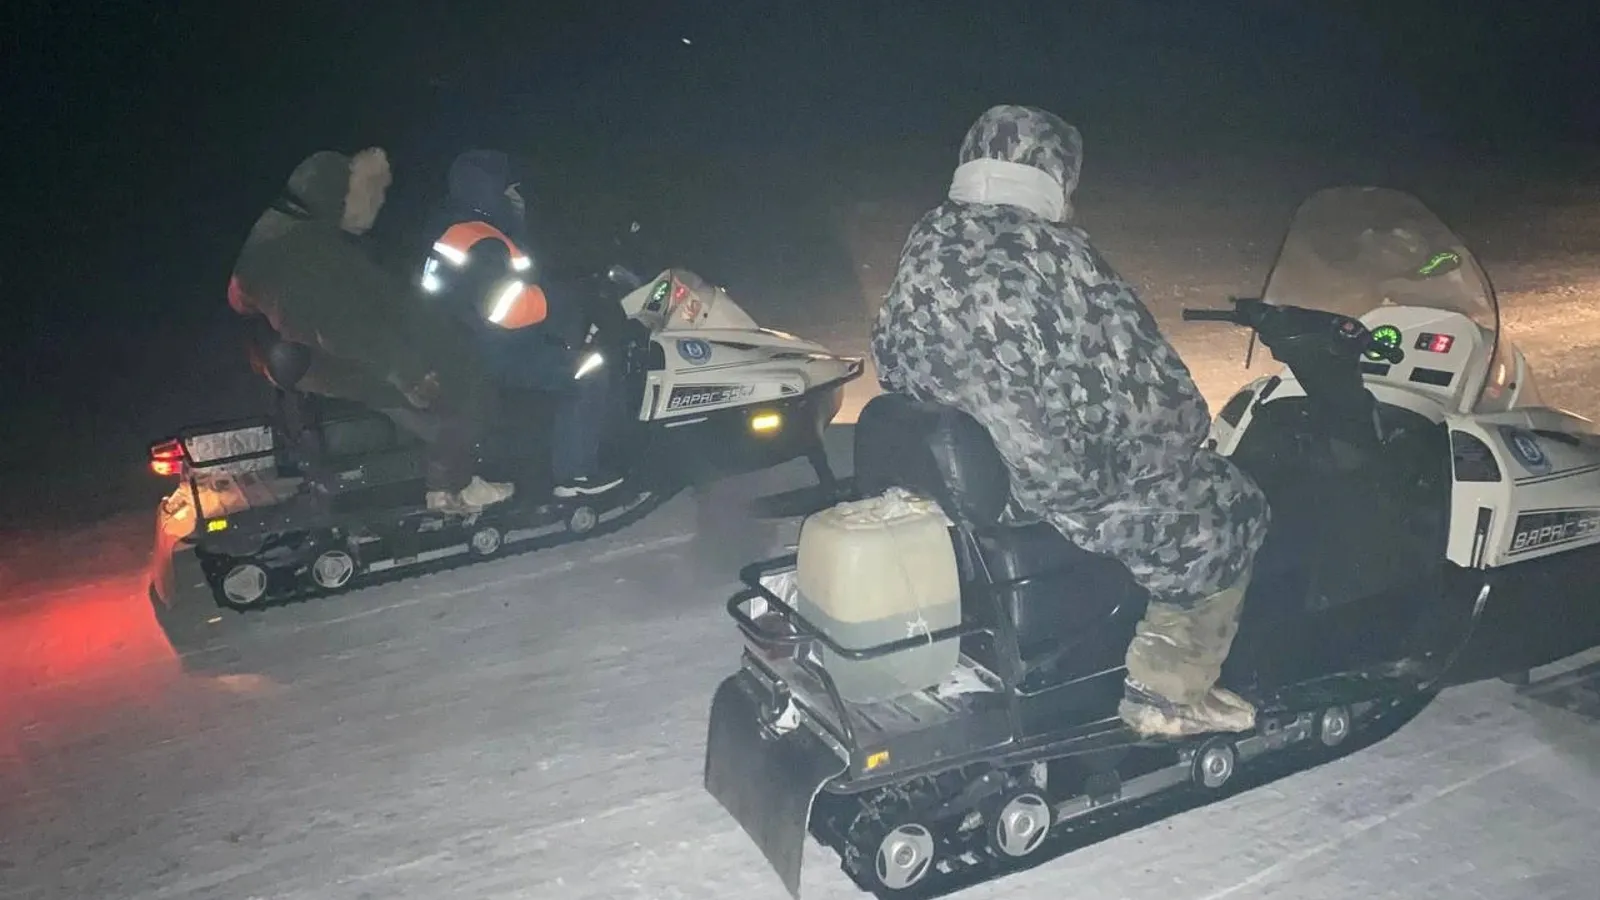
1291 332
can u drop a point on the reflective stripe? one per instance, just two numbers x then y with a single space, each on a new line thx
458 239
514 305
449 254
503 303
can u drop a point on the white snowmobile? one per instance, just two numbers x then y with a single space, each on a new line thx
931 688
324 493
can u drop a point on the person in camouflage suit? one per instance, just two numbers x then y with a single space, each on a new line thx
1002 309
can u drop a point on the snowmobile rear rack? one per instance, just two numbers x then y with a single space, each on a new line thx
844 721
805 632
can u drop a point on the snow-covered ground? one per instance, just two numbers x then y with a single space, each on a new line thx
533 726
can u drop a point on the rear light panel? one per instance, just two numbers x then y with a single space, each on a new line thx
166 458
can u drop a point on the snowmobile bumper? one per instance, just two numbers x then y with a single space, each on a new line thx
175 577
766 768
758 436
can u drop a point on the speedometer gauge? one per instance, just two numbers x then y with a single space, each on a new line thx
1386 336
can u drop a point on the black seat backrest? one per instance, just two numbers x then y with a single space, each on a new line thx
933 451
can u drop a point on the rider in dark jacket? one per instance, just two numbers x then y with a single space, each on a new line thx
531 335
302 269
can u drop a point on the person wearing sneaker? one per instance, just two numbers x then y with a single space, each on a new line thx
529 333
1003 309
370 337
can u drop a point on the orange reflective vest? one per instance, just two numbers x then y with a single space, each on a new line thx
512 302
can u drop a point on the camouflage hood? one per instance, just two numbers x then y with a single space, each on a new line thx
1020 156
1003 311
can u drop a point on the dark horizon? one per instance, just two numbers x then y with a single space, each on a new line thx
155 137
743 138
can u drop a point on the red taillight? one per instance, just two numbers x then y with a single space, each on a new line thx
166 458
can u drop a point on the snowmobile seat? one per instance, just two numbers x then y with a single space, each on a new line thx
1051 590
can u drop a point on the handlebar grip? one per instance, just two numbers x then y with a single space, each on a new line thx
1210 315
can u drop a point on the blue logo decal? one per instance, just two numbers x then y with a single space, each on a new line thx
1525 447
694 350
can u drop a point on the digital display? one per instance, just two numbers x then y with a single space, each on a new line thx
1435 343
1386 335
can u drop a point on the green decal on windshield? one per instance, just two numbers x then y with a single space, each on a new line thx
1440 260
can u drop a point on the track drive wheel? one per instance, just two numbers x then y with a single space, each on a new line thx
242 585
582 520
903 857
332 569
486 541
1019 823
1215 763
1334 725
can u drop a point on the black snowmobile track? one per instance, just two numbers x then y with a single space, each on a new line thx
852 824
405 572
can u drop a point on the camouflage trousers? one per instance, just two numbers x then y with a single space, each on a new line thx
1178 651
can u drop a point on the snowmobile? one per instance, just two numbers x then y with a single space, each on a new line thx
1433 524
323 494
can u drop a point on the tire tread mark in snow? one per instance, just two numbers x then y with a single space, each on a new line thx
563 568
1355 829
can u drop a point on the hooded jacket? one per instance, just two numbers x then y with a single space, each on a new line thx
304 271
477 182
1001 308
537 357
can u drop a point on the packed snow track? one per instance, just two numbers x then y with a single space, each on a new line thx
533 727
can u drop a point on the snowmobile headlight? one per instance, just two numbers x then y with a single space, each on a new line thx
767 421
590 363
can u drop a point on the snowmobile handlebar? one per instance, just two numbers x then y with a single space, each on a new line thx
1209 315
1285 328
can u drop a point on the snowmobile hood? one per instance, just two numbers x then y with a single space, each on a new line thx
478 181
329 186
1020 156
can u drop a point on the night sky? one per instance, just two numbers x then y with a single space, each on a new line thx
141 144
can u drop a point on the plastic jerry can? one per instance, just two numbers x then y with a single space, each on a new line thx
879 570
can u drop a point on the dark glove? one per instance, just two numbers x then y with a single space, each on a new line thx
606 314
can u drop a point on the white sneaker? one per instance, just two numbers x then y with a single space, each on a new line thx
586 486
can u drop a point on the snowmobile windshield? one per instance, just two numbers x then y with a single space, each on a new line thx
680 300
1351 250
